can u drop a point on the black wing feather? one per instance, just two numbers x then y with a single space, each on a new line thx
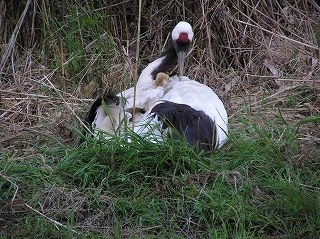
197 127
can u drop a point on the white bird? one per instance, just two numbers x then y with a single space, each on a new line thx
182 36
194 111
182 107
147 90
147 94
106 114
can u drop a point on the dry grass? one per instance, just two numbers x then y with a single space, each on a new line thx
245 52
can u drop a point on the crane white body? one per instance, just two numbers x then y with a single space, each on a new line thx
191 107
200 98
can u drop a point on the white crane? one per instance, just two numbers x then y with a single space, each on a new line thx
147 92
195 113
185 108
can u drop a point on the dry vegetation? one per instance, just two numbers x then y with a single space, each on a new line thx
258 56
245 52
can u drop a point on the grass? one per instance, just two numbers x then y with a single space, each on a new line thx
261 61
252 188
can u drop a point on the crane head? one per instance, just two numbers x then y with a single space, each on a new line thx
182 36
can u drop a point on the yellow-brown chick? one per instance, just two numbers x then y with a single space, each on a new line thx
162 79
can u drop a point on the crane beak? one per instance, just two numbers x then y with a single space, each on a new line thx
181 58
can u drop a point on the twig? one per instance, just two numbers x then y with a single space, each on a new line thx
44 97
260 101
298 80
313 3
84 125
38 96
13 38
136 68
276 34
14 185
50 219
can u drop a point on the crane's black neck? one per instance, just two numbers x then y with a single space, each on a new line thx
170 57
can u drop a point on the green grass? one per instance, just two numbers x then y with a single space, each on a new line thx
251 188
